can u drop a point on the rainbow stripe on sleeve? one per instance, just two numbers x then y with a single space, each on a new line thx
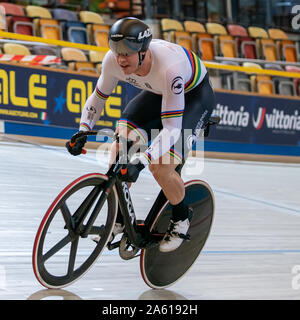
172 114
86 126
196 70
101 95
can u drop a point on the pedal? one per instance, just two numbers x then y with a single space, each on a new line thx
126 250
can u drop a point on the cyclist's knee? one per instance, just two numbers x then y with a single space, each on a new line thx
159 171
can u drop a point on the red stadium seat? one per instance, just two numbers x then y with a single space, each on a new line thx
16 20
296 80
245 44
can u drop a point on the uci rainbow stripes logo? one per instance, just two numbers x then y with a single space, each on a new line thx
172 114
101 95
196 69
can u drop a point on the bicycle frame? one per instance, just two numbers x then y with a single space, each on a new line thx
138 239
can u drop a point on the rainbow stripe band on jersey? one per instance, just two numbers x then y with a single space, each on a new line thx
86 126
172 114
177 155
101 95
196 70
132 126
172 152
147 155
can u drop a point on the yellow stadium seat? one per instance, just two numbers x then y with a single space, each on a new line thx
173 31
50 29
77 60
215 28
266 46
90 17
228 46
98 31
97 57
225 43
194 26
169 27
203 42
258 34
277 34
46 27
207 46
269 50
259 82
36 11
286 48
14 48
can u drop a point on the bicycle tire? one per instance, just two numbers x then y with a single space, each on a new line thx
40 260
162 269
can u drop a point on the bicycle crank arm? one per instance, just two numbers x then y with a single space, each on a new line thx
112 246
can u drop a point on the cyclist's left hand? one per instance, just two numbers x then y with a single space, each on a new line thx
76 144
131 173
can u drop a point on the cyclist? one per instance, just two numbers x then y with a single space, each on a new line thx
176 96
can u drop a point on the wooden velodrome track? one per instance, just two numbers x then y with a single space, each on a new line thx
253 251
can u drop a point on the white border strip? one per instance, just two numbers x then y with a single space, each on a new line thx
2 126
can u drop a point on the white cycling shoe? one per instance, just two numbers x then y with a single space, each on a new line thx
118 228
177 232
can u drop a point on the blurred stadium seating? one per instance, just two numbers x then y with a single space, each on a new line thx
226 43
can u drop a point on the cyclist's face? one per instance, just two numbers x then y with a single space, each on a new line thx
129 64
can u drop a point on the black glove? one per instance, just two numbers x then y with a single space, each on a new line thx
79 140
131 172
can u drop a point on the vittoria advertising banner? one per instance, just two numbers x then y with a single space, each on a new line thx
257 119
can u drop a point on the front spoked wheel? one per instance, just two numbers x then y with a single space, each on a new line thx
62 252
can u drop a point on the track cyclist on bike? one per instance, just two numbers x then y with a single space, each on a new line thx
176 96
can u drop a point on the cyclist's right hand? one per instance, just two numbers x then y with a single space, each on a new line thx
76 144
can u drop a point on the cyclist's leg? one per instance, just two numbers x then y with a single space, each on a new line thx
163 171
199 105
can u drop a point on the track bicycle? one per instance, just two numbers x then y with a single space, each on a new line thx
63 250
